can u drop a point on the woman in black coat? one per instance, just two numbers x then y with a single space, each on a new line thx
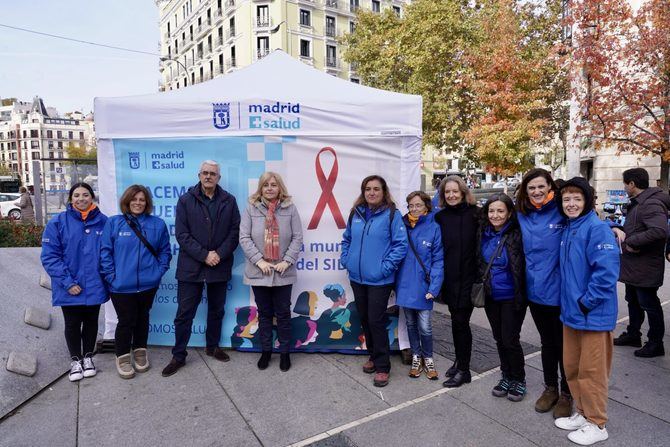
459 221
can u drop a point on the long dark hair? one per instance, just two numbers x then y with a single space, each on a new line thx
498 197
523 202
80 185
387 201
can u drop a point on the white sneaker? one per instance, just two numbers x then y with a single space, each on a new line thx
76 372
588 434
573 422
89 367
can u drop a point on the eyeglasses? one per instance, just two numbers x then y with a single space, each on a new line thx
209 173
416 207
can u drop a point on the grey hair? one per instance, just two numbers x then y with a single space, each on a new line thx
211 163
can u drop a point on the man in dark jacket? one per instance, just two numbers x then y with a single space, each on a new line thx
207 225
643 239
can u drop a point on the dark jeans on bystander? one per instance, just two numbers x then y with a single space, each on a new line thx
506 321
641 300
371 303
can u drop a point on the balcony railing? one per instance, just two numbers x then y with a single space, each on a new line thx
331 62
331 4
218 14
331 31
229 5
230 33
230 64
221 69
262 52
263 22
219 41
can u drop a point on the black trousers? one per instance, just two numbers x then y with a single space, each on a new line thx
371 303
548 323
189 295
81 329
460 330
132 310
506 320
641 300
274 302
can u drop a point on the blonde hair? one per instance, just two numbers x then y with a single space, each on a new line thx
468 197
265 177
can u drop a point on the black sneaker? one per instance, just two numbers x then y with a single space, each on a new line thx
650 349
502 388
626 339
517 390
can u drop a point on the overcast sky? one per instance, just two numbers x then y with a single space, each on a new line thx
68 75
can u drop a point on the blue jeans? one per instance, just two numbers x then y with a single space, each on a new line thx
419 332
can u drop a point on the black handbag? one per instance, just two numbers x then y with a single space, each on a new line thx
138 233
478 294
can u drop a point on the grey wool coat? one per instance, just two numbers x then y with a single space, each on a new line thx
252 231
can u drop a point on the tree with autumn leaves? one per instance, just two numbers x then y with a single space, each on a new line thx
486 71
621 71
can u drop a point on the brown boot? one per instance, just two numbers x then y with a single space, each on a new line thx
563 408
369 367
547 400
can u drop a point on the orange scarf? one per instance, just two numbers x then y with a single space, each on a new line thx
547 199
85 213
412 220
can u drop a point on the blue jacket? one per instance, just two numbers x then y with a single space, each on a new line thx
70 251
542 230
125 262
372 249
501 280
411 285
589 258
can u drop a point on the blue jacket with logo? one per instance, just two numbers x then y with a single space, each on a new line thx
501 280
589 257
411 285
542 230
125 262
373 248
70 251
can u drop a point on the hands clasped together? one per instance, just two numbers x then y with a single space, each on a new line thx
267 267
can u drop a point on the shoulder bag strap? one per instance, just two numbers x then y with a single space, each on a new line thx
138 233
423 267
495 254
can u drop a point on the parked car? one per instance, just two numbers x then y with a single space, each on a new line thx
7 206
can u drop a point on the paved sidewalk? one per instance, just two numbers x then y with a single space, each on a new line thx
325 400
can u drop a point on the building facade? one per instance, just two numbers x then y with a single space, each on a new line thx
30 131
202 39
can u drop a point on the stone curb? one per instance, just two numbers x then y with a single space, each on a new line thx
22 363
37 317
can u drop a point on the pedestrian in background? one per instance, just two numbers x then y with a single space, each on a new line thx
207 225
70 251
134 256
25 203
419 281
459 223
643 238
271 238
542 226
502 271
589 263
374 244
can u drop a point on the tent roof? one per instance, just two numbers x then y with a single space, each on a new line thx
328 105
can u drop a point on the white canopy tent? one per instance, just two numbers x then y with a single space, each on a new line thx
289 107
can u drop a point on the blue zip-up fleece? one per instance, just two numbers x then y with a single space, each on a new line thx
501 279
589 270
125 262
70 251
542 230
372 250
411 286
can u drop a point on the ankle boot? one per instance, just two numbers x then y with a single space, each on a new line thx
124 367
451 372
264 361
459 379
547 400
284 361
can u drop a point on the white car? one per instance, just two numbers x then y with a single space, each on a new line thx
7 206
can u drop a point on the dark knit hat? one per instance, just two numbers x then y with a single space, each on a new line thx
583 185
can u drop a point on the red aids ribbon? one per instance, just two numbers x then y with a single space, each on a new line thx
327 197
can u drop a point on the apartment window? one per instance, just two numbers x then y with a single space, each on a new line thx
59 134
233 62
200 50
262 46
354 5
263 15
330 26
36 155
176 46
396 10
50 134
331 56
305 18
376 7
209 43
25 134
305 48
34 133
70 135
34 145
81 135
192 78
352 27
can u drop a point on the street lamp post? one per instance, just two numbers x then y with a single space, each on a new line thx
165 58
288 37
